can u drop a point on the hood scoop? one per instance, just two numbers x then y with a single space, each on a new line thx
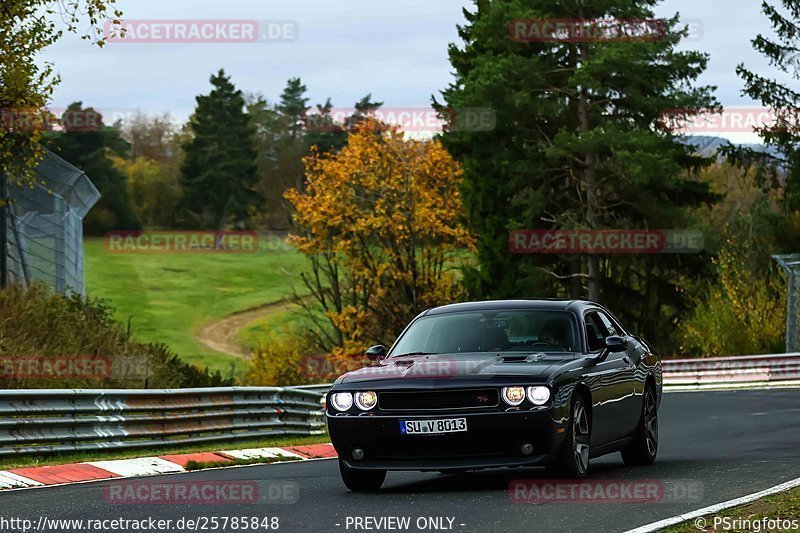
526 358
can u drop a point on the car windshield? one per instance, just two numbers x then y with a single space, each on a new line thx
490 331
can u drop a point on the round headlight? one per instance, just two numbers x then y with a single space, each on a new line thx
538 395
366 400
342 401
513 395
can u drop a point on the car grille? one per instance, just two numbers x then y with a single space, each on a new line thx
438 400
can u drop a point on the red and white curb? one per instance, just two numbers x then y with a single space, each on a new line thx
41 476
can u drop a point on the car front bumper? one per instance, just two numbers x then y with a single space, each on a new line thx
492 439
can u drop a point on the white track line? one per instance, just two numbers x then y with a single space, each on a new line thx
711 509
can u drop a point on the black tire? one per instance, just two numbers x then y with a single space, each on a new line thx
643 449
573 459
361 480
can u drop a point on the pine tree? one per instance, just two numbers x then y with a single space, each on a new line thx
293 107
323 131
218 175
579 143
783 52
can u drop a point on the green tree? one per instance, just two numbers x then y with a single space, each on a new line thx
285 132
741 314
26 84
86 142
780 168
218 174
293 107
269 130
323 131
280 144
153 168
743 309
579 143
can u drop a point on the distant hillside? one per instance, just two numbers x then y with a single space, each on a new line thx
709 145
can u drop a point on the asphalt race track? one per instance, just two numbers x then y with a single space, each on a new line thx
726 444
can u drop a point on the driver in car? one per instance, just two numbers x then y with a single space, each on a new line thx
553 332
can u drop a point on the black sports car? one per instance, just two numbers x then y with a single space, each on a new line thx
496 384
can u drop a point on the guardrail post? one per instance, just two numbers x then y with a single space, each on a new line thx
790 263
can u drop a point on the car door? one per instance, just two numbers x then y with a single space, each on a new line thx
633 388
611 384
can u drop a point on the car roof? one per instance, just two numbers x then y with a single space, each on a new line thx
545 304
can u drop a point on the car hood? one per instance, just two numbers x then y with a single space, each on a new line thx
460 366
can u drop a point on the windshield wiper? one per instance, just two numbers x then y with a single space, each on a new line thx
412 354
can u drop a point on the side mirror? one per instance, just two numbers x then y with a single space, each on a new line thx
376 353
614 344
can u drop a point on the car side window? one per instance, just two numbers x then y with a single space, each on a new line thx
611 328
596 332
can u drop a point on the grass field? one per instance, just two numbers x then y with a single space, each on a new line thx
272 325
168 297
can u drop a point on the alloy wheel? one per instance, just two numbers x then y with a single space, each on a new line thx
650 423
580 436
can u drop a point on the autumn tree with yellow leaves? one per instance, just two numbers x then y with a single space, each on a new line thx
742 314
383 226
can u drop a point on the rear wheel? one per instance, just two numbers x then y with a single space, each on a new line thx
361 480
643 448
573 461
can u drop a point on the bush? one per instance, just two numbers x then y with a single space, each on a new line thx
291 357
51 341
283 358
743 314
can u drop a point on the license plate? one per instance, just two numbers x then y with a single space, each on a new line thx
433 427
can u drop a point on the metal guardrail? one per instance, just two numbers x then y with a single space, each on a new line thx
50 421
319 389
732 372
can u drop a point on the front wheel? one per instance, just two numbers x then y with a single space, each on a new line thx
361 480
643 448
573 460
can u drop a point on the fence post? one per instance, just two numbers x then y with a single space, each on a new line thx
3 232
60 253
790 263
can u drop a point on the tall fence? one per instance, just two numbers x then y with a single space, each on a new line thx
57 421
790 264
44 226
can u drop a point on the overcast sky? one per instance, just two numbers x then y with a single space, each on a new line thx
343 50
